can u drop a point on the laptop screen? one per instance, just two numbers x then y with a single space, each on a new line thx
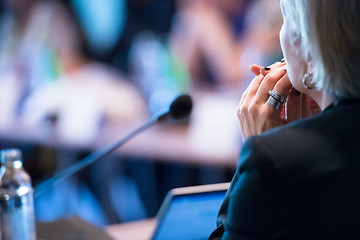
189 216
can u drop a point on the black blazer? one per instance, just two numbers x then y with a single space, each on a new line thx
299 181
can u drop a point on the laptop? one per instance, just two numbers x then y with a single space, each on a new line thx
189 212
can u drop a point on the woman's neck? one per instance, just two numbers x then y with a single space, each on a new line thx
322 99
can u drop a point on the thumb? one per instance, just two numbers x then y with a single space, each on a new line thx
314 107
294 105
310 107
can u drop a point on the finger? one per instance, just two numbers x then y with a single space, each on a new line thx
305 112
251 89
283 115
244 132
293 106
314 107
270 81
264 71
283 86
255 69
243 97
310 107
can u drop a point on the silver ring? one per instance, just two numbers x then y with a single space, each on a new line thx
276 100
275 103
277 96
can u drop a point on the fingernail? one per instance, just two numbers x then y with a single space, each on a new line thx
282 60
266 68
297 92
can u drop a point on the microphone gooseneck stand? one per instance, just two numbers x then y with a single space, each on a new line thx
179 108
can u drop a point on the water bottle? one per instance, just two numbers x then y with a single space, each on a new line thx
16 198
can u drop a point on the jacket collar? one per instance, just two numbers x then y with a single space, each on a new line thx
342 102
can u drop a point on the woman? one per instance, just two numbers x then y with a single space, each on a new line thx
297 179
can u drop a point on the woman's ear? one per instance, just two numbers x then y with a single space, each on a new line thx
308 77
310 66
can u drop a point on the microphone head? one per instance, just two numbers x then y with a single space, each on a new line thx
179 108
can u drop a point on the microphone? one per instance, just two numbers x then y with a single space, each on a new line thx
179 108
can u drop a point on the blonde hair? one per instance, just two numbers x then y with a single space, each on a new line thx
329 31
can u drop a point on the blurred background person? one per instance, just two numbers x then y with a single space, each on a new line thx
260 41
48 77
215 39
43 53
206 36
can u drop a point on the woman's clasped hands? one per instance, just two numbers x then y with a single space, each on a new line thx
270 101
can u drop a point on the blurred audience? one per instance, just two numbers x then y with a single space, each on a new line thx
46 76
206 36
215 38
260 39
43 63
140 16
46 73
